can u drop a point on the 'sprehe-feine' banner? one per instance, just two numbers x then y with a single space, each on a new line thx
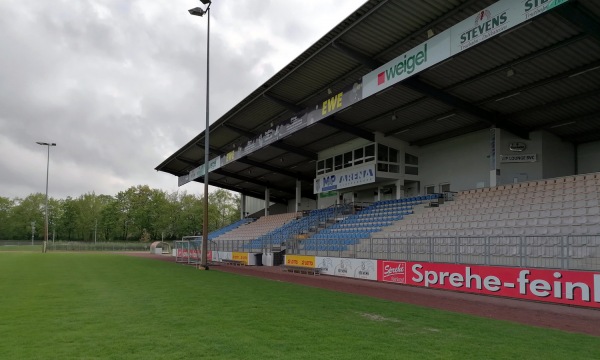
578 288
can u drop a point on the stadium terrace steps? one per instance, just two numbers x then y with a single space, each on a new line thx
259 227
352 229
561 206
213 235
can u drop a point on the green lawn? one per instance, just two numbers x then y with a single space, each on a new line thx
102 306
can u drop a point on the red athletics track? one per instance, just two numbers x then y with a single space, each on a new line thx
567 318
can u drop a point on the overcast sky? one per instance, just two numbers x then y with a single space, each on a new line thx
119 85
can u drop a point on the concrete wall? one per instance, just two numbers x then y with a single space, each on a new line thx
305 204
461 161
521 171
588 157
559 157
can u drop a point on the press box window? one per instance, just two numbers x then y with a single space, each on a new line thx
328 165
321 167
358 156
382 153
347 159
411 159
370 153
338 162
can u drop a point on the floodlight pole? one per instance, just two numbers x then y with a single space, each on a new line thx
200 12
46 206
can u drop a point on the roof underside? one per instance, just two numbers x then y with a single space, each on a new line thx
544 75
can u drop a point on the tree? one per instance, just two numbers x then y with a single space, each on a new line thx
138 213
6 206
25 212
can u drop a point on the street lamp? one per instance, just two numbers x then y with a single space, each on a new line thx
46 207
201 12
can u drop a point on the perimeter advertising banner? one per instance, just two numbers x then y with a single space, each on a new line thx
193 253
300 260
352 268
240 256
555 286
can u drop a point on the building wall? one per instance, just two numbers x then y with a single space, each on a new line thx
521 171
559 157
462 161
305 204
588 157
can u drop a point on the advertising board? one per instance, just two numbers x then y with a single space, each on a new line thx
578 288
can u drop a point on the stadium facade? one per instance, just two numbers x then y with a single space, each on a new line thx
408 99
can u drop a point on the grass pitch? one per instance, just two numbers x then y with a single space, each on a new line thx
102 306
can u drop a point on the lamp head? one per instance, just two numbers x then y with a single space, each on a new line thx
205 2
197 11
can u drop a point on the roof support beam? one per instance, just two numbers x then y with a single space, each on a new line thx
274 169
558 102
591 118
251 180
286 104
576 14
252 193
358 56
239 130
350 129
488 117
450 134
287 147
424 122
416 84
523 59
595 66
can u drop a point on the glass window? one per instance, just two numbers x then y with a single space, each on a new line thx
393 155
394 168
338 163
328 165
320 166
370 152
444 187
348 159
382 167
382 152
430 189
411 159
358 156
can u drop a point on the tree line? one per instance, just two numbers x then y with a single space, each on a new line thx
136 214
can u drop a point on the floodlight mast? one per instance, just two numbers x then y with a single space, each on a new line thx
201 12
46 206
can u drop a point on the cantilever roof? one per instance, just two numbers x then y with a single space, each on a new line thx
542 75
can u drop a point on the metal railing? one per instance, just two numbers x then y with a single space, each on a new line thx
559 252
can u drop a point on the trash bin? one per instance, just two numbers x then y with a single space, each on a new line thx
258 259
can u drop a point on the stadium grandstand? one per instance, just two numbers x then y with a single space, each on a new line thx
450 132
